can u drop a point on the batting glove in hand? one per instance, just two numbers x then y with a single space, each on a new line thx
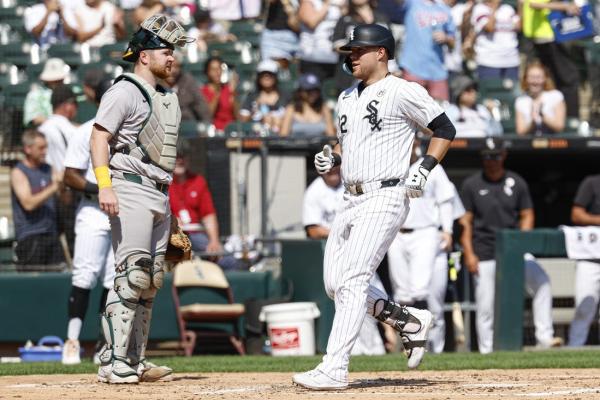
416 183
324 160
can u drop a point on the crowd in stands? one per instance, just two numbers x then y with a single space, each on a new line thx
251 58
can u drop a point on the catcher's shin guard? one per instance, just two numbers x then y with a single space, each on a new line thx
147 371
141 327
139 268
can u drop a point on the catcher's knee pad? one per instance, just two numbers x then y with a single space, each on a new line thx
138 267
159 267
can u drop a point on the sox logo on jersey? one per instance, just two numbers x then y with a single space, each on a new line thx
372 116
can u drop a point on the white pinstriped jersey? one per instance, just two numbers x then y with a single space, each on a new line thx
78 151
376 129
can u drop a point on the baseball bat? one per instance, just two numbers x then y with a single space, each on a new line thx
457 315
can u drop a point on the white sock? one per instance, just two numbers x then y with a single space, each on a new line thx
74 328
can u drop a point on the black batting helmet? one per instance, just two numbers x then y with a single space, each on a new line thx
371 35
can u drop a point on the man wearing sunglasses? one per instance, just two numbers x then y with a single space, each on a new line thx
496 199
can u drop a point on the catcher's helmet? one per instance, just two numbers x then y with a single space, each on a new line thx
371 35
156 32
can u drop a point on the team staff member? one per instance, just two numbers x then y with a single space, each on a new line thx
498 199
377 121
586 211
133 190
93 256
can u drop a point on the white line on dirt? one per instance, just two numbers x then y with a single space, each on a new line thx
494 385
237 390
560 392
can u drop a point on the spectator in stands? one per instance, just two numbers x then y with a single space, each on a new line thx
321 201
49 23
192 103
496 199
33 188
358 12
37 107
534 16
279 38
146 9
541 109
221 92
59 128
192 204
99 22
496 42
317 21
266 103
453 58
429 27
307 115
469 118
206 30
226 11
586 212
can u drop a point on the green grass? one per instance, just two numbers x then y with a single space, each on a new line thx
390 362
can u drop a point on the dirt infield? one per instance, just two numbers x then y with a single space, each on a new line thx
447 385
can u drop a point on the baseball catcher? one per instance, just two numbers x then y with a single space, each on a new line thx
138 120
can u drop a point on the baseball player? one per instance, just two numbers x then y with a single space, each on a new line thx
412 253
321 201
93 258
139 121
439 277
377 121
586 211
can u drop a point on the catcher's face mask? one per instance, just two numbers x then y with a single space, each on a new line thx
156 32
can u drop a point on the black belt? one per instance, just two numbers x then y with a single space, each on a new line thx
406 230
161 187
359 188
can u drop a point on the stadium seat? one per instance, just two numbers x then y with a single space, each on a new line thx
247 30
14 95
73 54
114 53
20 54
108 68
504 91
194 282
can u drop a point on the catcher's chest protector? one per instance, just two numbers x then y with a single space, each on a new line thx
157 140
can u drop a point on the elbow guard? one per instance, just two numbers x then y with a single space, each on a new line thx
442 127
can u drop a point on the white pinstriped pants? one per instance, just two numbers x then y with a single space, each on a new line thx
94 258
359 238
537 284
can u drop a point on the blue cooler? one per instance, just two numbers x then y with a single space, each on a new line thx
49 348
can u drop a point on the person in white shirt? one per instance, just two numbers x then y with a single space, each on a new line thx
469 118
99 22
542 108
496 43
50 22
58 128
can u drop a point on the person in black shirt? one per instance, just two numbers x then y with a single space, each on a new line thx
496 199
586 211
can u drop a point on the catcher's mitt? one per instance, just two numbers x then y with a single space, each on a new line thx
180 246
